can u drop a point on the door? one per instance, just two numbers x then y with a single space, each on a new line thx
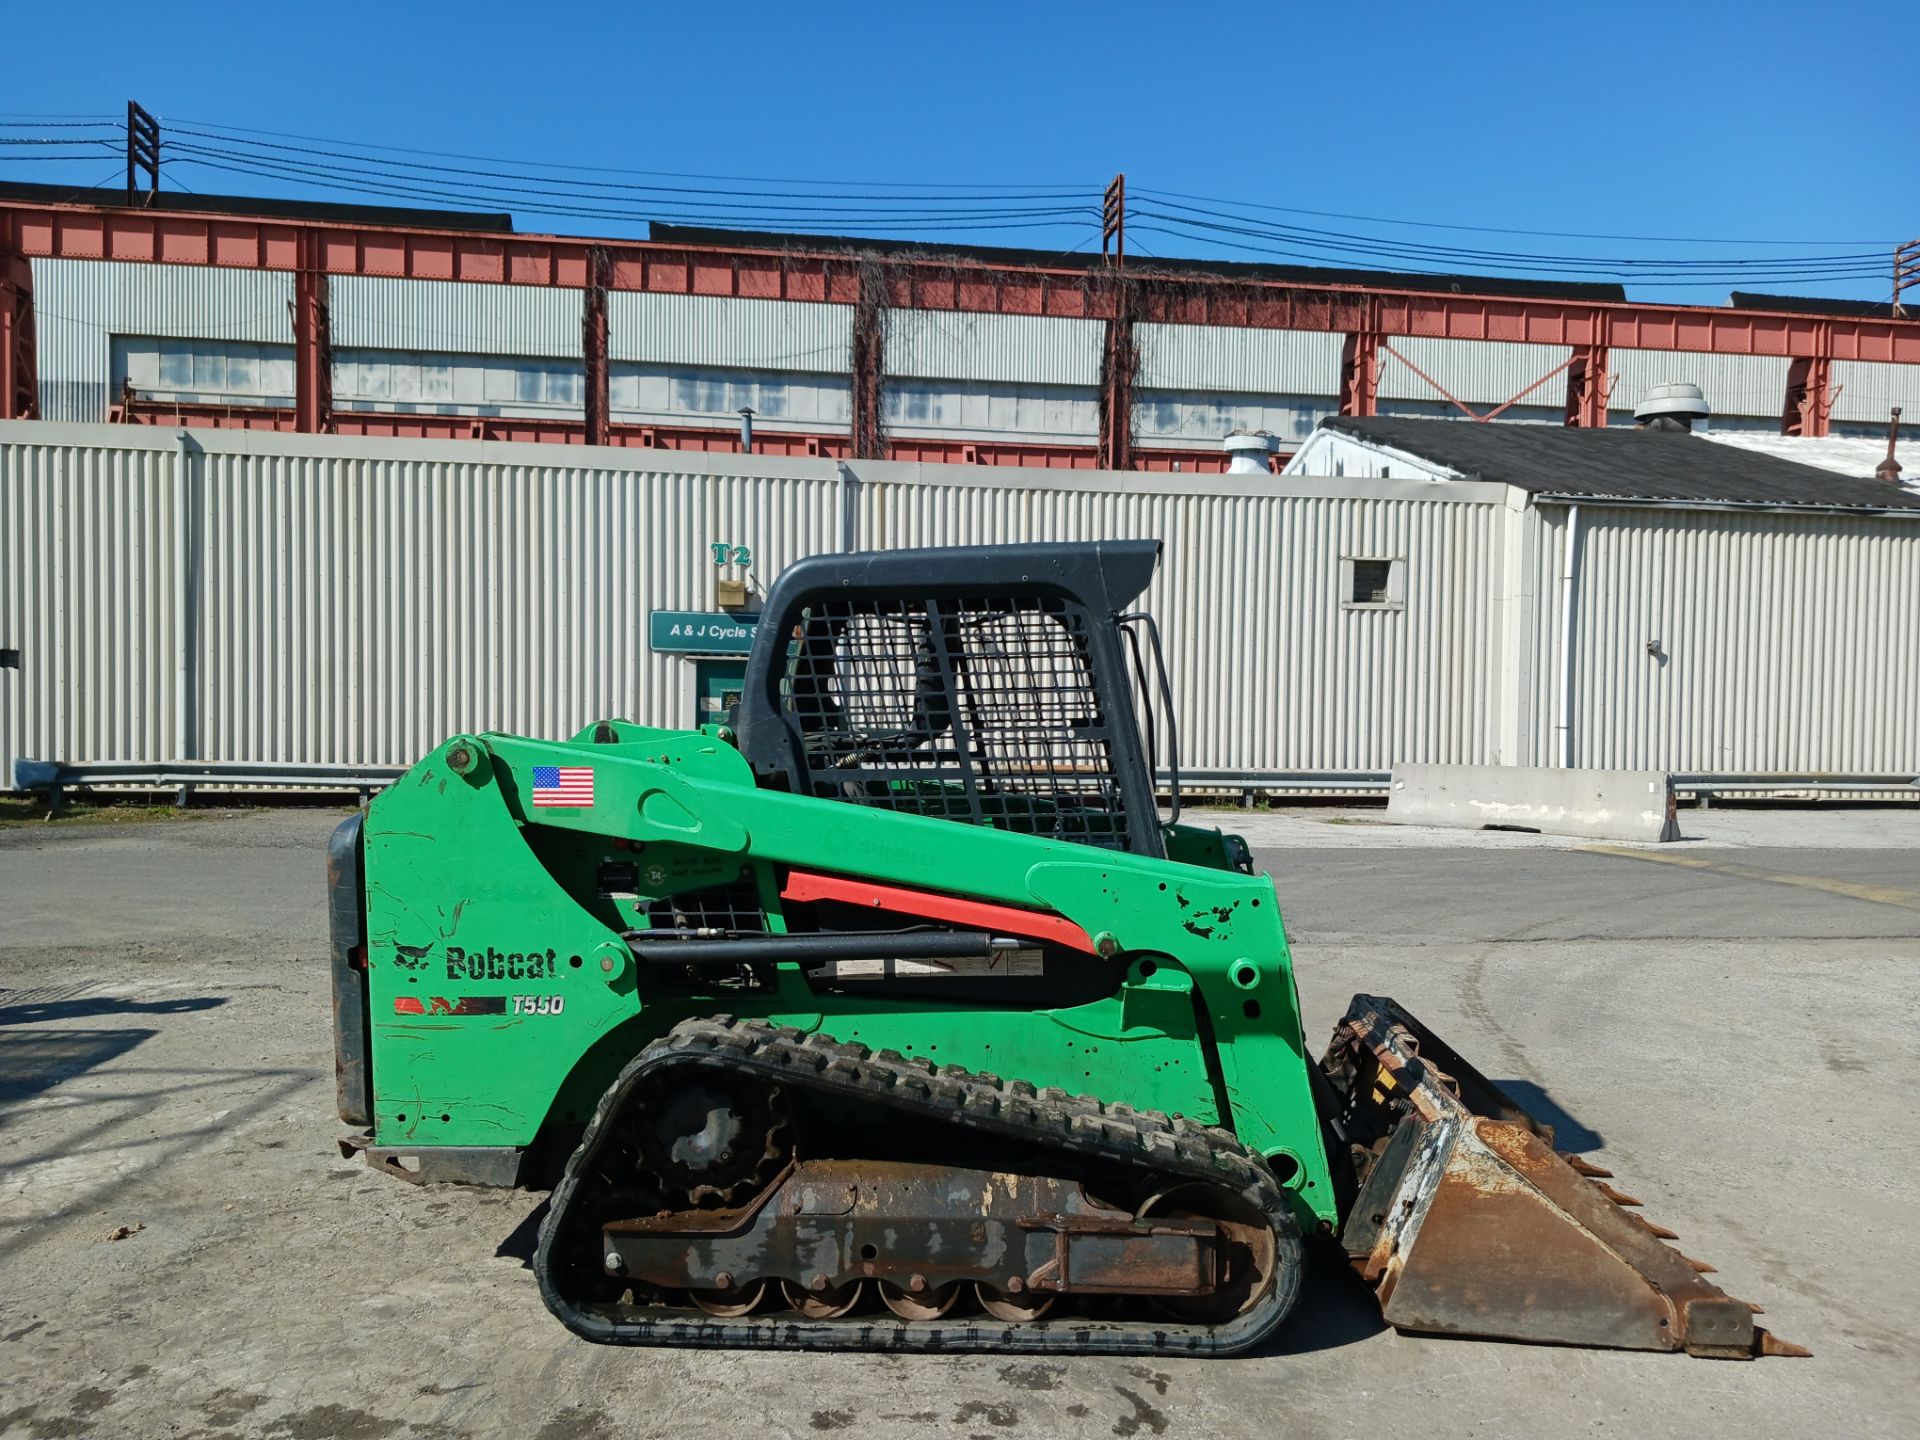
716 690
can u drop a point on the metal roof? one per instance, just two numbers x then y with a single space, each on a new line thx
1854 455
1142 268
1811 305
1620 463
182 200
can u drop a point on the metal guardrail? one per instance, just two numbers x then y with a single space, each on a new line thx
53 778
1793 781
1248 783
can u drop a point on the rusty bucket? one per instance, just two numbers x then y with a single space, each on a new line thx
1467 1221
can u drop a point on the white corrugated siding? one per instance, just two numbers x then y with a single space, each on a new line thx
360 601
1026 349
1246 362
462 316
1476 371
1790 643
1270 672
1866 389
79 305
720 331
89 597
469 596
1749 385
355 601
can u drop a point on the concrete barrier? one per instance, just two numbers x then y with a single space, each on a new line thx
1602 804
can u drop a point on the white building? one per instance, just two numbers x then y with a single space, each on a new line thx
1445 592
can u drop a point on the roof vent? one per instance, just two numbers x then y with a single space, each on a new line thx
1672 406
1247 451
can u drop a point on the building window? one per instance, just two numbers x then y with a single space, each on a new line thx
1373 584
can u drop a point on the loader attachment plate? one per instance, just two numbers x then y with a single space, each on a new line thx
1467 1221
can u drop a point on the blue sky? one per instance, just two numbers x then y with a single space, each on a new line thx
1747 123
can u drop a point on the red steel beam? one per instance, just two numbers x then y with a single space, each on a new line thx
940 282
1360 363
1119 364
19 383
867 424
1809 399
1588 387
593 348
312 341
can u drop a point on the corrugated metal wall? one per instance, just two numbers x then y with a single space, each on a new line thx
1025 349
1783 643
1246 362
1478 372
357 602
90 595
950 373
1867 389
464 317
1188 376
717 330
79 305
354 601
1735 385
1271 670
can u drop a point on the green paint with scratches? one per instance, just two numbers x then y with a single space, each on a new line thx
1204 1010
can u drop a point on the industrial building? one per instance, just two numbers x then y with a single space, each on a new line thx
326 523
367 320
269 605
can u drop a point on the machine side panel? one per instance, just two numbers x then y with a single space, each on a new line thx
346 964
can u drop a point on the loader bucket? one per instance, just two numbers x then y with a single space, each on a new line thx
1468 1222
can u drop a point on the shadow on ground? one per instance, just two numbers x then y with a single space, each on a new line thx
1568 1132
53 1003
36 1060
1335 1308
33 1063
524 1238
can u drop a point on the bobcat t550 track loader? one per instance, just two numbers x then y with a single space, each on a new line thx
896 1015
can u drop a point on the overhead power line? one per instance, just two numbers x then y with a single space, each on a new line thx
1315 250
722 213
876 208
1490 229
1307 257
546 183
1339 238
618 170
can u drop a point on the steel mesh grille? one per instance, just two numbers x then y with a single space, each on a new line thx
734 906
979 709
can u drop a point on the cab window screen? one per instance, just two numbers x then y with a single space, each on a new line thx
979 709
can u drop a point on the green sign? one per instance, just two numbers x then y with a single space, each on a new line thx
701 632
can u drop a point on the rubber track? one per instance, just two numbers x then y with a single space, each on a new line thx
1173 1147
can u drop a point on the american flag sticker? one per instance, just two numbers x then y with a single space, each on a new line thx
557 786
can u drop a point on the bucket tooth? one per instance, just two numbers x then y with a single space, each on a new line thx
1468 1222
1700 1267
1658 1231
1585 1167
1771 1344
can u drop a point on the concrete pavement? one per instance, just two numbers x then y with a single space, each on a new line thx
1737 1047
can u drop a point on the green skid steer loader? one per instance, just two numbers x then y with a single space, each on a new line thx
895 1015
